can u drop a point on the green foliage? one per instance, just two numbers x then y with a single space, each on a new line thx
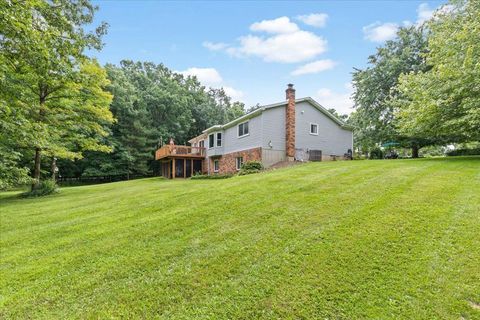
464 152
444 103
43 188
52 92
152 104
324 240
374 118
212 176
376 153
250 167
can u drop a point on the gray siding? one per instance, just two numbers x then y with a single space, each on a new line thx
331 138
233 143
215 150
274 128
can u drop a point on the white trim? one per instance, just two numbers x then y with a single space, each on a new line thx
236 163
238 129
208 140
216 140
310 129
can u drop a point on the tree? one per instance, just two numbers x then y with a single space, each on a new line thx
342 117
374 118
53 90
152 104
444 103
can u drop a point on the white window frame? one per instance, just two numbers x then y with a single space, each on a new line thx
218 165
310 129
208 140
238 129
216 139
236 163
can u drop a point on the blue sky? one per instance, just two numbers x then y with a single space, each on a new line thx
253 49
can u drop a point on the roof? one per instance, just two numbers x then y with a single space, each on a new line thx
258 111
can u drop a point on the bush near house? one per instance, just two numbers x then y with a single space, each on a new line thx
250 167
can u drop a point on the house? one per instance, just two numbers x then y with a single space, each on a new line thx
295 129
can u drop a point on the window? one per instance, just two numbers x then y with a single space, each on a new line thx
219 139
314 128
239 162
211 140
243 129
201 144
215 165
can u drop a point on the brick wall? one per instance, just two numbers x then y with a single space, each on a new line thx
227 162
290 123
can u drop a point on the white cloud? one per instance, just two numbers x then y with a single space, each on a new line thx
379 32
318 20
210 77
285 48
315 67
214 46
424 13
207 76
279 25
340 101
285 44
233 93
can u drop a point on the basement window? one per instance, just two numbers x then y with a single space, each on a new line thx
239 161
243 129
216 165
314 129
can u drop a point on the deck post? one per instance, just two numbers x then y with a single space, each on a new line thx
184 168
191 167
173 168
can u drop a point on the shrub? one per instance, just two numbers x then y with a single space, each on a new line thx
376 153
213 176
250 167
44 188
464 152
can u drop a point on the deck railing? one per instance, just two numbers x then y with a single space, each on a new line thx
180 151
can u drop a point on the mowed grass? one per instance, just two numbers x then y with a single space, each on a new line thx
340 240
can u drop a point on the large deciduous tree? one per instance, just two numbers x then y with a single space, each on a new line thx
374 117
50 89
444 103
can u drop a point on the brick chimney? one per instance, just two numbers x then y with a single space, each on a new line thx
290 123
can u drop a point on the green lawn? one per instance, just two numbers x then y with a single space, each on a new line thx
393 239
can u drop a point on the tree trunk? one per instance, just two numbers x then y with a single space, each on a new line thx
36 168
415 151
54 168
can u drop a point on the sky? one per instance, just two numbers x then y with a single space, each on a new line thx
254 49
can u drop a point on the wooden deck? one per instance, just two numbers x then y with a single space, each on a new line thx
175 151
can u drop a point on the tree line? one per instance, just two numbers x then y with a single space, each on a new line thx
60 109
423 87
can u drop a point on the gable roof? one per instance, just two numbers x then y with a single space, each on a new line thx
258 111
